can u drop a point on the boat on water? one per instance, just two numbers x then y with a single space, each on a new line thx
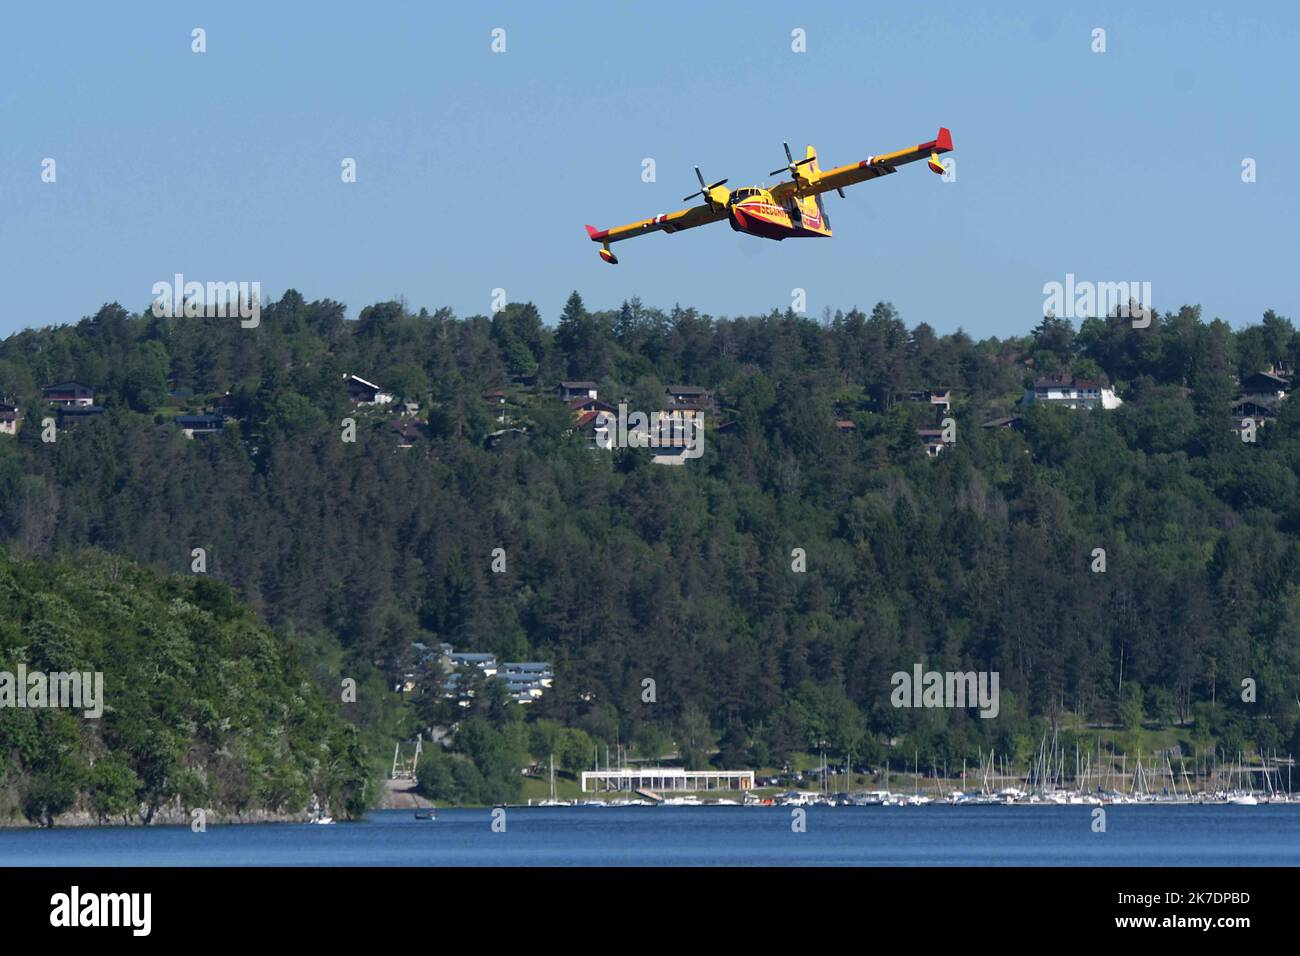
553 800
429 814
872 798
1244 800
321 820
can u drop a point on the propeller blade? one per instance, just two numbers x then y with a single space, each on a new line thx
691 196
700 176
783 169
803 161
788 157
841 192
717 184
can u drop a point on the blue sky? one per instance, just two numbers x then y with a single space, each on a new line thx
477 171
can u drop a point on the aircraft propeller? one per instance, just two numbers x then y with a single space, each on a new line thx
704 189
792 167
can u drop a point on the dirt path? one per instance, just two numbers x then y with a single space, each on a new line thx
401 795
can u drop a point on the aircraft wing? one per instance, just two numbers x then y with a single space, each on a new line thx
873 167
700 215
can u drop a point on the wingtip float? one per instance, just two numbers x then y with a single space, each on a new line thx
790 209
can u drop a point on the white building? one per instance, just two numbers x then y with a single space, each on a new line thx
1071 392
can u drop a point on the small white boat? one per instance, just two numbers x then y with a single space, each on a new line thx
322 820
1244 800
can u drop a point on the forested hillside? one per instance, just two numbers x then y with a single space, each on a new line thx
202 708
619 570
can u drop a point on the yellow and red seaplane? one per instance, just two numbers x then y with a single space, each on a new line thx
786 210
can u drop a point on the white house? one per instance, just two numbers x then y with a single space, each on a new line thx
1071 392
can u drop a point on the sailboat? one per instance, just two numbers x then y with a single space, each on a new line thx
552 800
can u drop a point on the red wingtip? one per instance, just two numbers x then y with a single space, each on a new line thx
944 143
597 234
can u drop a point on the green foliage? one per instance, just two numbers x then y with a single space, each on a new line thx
619 570
201 703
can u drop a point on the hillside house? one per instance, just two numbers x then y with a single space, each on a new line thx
933 439
585 406
72 414
70 394
938 397
689 396
1258 411
487 663
595 426
200 425
10 417
408 432
568 391
1264 388
1070 392
223 405
366 393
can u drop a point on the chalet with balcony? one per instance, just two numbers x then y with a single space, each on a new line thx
689 396
1070 392
568 391
70 394
1264 388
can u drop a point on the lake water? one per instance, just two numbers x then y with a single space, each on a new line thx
703 836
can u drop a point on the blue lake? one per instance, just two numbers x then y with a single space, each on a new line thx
703 836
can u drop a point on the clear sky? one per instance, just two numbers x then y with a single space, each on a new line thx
478 170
